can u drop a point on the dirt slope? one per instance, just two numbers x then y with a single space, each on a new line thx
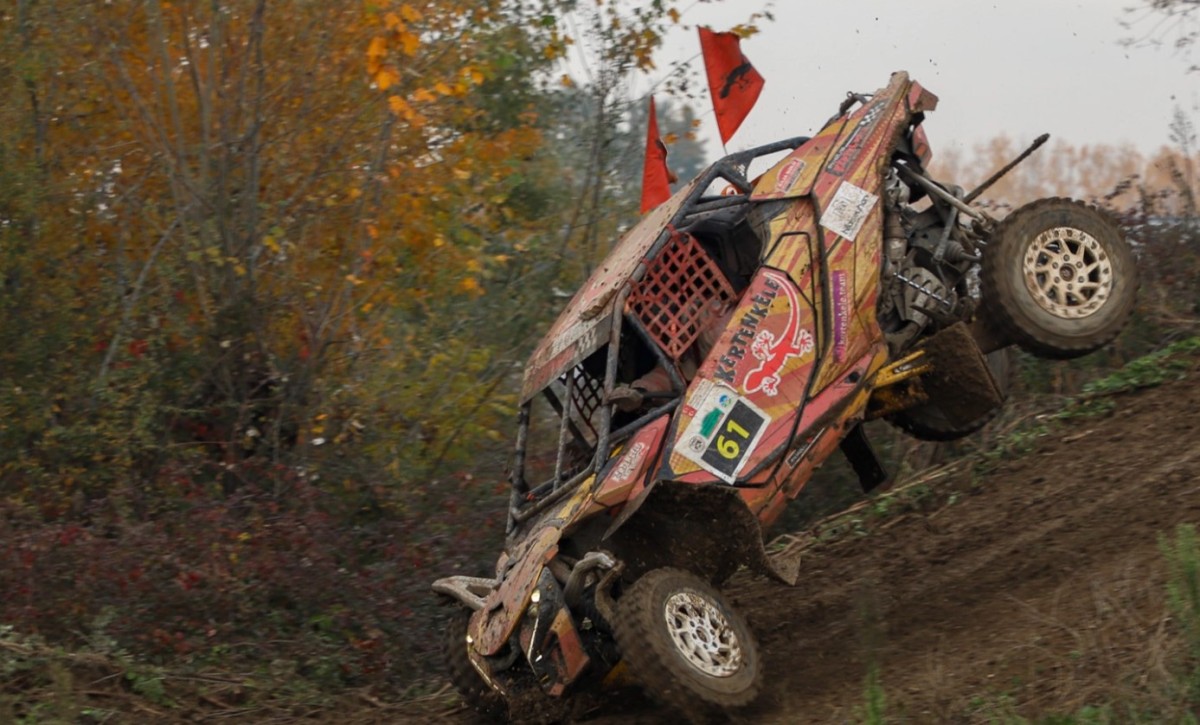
1038 589
1045 588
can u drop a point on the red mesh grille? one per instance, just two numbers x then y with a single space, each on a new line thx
675 300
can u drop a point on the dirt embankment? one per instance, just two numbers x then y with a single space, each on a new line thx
1040 590
1037 587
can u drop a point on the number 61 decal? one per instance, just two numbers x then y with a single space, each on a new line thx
730 447
723 433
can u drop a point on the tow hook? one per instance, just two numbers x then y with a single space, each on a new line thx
472 591
577 580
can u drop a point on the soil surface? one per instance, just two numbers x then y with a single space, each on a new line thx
1035 587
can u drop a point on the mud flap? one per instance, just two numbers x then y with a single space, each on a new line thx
706 529
867 466
960 384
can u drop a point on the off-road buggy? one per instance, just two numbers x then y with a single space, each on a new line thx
848 285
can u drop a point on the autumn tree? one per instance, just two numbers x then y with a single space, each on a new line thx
1090 171
223 221
310 236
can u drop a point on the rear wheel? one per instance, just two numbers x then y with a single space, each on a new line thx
685 645
1058 278
929 421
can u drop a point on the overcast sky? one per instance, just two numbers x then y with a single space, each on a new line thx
1016 67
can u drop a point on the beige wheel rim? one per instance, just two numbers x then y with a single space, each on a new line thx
703 635
1068 273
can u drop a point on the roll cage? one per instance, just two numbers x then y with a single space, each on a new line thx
662 308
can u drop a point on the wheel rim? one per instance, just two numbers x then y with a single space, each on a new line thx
1068 272
702 634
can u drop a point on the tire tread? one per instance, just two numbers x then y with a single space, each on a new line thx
1000 310
487 703
651 658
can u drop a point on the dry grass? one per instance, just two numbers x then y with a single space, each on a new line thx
43 684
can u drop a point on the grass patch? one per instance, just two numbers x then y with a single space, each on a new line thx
1170 363
874 710
1182 553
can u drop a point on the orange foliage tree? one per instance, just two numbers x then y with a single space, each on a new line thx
311 236
219 218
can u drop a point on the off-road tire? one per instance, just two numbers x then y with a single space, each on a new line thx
648 614
927 422
489 704
1054 317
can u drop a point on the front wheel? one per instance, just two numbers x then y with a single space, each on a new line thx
1059 279
685 645
476 693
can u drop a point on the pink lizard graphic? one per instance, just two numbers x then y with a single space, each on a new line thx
774 353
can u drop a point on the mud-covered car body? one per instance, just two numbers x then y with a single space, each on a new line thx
838 287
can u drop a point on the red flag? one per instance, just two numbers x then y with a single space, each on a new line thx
656 177
732 81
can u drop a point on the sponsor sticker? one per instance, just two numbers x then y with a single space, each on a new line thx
584 333
773 353
848 210
747 327
849 151
767 351
797 455
726 429
630 462
841 314
788 174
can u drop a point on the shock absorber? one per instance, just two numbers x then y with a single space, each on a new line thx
895 242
